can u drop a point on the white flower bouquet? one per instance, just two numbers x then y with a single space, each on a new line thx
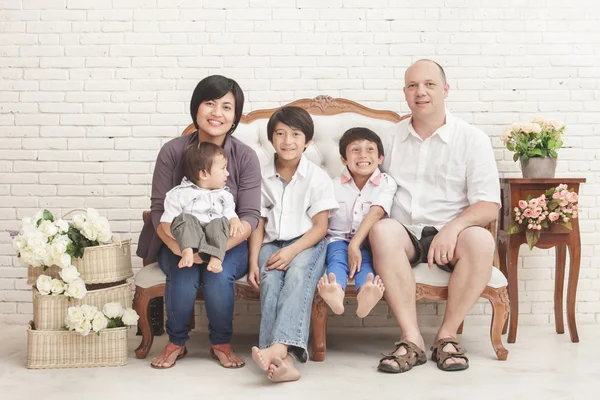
85 319
70 284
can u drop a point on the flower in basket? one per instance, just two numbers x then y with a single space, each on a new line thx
538 138
86 230
75 287
85 318
556 206
43 241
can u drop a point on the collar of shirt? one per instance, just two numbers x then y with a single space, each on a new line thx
270 171
445 131
346 177
185 183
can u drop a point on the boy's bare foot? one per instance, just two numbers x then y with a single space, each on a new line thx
332 293
283 370
263 358
187 258
215 265
369 295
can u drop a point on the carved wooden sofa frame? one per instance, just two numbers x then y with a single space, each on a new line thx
497 293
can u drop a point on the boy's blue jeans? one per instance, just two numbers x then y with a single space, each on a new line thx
218 290
337 262
286 296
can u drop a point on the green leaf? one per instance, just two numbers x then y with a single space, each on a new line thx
553 204
545 224
532 237
47 216
553 154
567 225
516 157
514 228
549 193
525 158
535 152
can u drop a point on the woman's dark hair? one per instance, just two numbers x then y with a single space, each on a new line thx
199 157
214 87
354 134
294 117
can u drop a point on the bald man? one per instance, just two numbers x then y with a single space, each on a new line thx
448 190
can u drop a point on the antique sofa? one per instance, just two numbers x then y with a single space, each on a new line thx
331 117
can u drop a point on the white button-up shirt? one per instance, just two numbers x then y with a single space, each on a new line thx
438 178
289 208
355 204
203 204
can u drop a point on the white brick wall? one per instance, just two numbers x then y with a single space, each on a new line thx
90 89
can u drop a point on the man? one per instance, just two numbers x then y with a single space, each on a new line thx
448 190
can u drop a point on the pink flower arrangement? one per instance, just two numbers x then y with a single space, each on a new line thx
556 205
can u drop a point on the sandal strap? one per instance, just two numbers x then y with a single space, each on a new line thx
224 348
410 358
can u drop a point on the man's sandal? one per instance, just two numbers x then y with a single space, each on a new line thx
440 356
225 349
413 357
170 348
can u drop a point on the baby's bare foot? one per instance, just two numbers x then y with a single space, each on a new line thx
332 293
215 265
263 358
187 258
283 370
369 295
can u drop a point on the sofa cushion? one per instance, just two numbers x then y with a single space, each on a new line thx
152 275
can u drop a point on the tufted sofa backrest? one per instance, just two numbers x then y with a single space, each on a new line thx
332 117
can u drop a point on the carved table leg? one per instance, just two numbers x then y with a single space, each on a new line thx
559 282
513 288
319 329
503 268
575 260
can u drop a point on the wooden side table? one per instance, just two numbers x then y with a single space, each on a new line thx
558 236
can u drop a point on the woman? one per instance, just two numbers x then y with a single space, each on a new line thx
216 109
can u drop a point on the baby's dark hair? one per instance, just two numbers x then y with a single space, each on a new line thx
199 157
360 133
294 117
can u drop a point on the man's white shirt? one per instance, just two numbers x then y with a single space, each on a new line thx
438 178
289 207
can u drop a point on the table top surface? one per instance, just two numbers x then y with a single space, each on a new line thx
553 181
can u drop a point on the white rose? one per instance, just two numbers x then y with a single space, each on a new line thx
89 231
78 221
538 120
76 289
28 225
113 310
100 322
43 254
75 316
44 284
36 240
58 248
63 261
102 226
105 237
69 274
38 215
27 257
89 311
58 287
130 317
62 225
553 124
19 243
536 128
48 228
92 214
84 327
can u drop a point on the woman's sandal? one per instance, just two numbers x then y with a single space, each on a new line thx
440 356
225 349
170 348
413 357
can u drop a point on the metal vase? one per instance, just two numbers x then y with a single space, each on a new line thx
539 167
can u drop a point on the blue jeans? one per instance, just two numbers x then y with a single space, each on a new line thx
337 262
286 296
218 289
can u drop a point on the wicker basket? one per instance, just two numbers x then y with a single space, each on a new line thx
49 312
66 349
108 263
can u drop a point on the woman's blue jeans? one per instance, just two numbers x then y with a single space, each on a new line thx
218 290
286 296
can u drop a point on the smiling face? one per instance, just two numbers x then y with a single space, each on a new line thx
362 158
215 117
425 90
217 177
289 143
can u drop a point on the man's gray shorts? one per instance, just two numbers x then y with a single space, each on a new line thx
209 240
422 247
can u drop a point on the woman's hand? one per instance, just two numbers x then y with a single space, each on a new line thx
254 277
282 258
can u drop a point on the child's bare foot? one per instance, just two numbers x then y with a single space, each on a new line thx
332 293
283 370
369 295
215 265
187 258
264 358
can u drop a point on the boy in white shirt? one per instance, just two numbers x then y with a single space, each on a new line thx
200 212
365 196
287 250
